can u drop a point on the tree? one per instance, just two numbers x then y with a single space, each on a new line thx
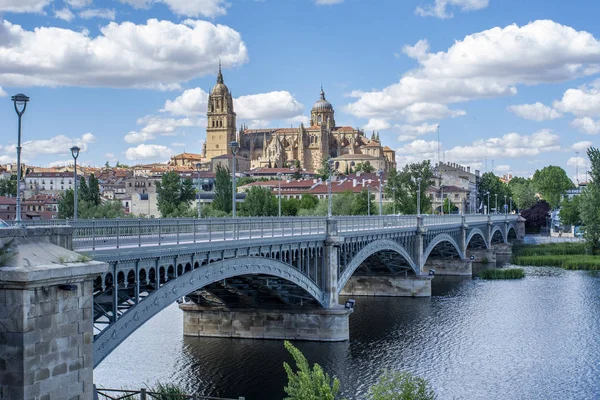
290 207
360 203
259 202
569 211
365 167
492 184
308 201
94 190
83 192
590 203
552 182
307 384
536 216
174 195
523 193
66 204
297 173
106 165
402 187
8 187
110 209
394 385
325 171
449 207
222 200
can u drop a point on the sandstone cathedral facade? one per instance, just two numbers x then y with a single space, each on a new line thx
285 147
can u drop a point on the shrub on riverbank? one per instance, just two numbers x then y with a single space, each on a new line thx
503 273
564 255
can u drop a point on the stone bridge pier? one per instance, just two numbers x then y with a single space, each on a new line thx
46 325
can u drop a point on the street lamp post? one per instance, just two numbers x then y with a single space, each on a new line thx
517 205
330 165
368 199
279 178
380 176
496 194
419 196
394 190
442 200
510 207
505 205
198 165
234 147
488 202
75 154
19 100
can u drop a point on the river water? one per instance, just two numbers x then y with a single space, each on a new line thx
535 338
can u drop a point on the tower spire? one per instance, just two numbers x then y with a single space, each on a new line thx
220 76
322 93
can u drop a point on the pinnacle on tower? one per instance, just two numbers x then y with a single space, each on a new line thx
220 76
322 93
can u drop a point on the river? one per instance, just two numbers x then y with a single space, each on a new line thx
535 338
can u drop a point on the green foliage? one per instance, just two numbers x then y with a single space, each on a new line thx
297 173
569 211
8 186
66 204
564 248
223 190
523 193
564 255
492 184
309 201
360 204
402 187
393 385
259 202
502 273
119 165
167 391
590 203
307 384
325 171
209 211
364 167
89 191
110 209
449 207
289 207
174 196
552 182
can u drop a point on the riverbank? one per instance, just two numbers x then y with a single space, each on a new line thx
565 255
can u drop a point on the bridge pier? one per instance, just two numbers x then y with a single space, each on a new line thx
325 325
390 286
457 267
46 331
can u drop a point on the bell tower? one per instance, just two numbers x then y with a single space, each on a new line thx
220 129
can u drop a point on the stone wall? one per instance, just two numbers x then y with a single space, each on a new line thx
449 267
393 286
327 325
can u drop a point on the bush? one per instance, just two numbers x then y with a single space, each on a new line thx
504 273
393 385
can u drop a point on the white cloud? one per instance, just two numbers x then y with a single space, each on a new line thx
583 102
271 105
178 144
411 132
581 146
78 3
60 144
535 112
587 125
23 6
326 2
376 124
98 13
418 112
161 126
298 119
438 9
191 102
110 156
577 162
64 14
502 169
483 65
511 145
157 54
3 93
148 151
194 8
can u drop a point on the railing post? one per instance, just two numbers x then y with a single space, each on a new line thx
139 232
143 394
93 234
118 234
224 230
159 232
177 230
194 230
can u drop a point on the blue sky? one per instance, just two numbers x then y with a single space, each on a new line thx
511 84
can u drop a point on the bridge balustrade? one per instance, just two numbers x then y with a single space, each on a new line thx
365 223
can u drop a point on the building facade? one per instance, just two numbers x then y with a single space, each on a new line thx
287 147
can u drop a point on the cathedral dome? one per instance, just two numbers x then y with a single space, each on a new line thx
322 104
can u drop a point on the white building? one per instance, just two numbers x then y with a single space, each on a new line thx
48 182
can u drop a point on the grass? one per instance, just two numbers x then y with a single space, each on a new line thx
564 255
502 273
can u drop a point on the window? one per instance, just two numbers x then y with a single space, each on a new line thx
320 118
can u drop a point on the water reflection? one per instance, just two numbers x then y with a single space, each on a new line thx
474 339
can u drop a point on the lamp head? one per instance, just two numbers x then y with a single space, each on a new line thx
234 147
75 152
379 173
19 99
198 165
419 179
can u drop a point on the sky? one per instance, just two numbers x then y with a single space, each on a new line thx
512 85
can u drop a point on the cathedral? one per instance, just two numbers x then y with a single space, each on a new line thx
286 147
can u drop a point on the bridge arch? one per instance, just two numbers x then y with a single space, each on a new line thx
369 250
473 233
442 237
187 283
493 235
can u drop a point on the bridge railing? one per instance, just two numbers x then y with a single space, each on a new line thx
365 223
476 218
128 232
434 220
